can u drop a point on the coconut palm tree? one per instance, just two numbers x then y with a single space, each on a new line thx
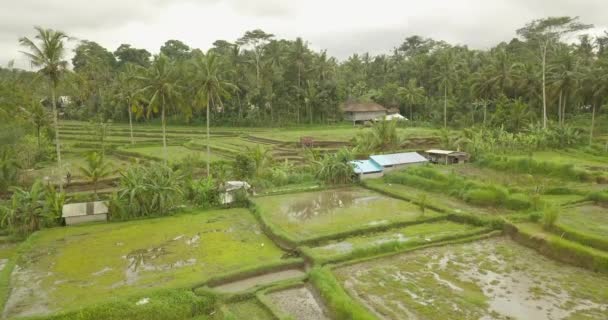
211 88
49 55
447 75
128 94
96 169
412 95
160 84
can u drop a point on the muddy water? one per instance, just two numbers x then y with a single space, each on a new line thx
245 284
300 303
321 203
491 279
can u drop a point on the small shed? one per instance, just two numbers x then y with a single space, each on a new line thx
394 161
447 156
363 111
83 212
229 190
367 169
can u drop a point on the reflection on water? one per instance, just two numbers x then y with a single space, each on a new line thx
322 203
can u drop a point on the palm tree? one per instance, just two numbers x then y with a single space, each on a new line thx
159 82
412 95
38 117
49 56
128 94
447 75
563 75
96 169
211 89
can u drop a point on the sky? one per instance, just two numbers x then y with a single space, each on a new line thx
342 27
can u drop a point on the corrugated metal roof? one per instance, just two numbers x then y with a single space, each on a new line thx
365 166
436 151
398 158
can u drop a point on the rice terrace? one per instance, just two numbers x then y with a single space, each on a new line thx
263 179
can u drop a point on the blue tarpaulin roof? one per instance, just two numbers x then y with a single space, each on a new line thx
398 158
365 166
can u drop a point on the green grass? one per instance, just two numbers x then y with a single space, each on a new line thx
587 224
311 215
396 239
493 278
435 199
119 259
174 153
572 156
339 303
250 309
342 133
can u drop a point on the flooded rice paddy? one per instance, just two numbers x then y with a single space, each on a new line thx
490 279
108 260
264 279
418 234
299 303
311 214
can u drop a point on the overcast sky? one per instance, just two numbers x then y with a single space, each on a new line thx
342 27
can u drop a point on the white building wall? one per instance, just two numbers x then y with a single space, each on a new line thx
85 219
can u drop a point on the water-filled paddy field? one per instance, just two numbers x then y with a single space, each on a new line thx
314 214
489 279
109 260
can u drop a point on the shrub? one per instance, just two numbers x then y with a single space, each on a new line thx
203 193
243 167
535 216
550 216
482 197
518 201
600 197
146 191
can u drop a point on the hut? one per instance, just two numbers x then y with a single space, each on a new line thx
367 169
394 161
229 190
83 212
363 111
447 156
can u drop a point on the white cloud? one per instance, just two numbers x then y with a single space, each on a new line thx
341 26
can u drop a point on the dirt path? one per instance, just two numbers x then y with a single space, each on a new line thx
245 284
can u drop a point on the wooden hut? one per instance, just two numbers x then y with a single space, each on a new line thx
363 111
447 156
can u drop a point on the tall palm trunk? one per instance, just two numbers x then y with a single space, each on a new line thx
162 116
57 143
592 125
130 123
445 106
485 111
544 66
559 106
208 136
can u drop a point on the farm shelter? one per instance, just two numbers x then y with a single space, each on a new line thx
367 169
447 156
83 212
229 190
394 161
363 111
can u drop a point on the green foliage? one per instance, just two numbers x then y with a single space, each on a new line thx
203 193
531 166
162 305
148 191
340 304
335 168
422 202
382 136
244 167
469 190
9 169
550 216
96 169
599 197
30 210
